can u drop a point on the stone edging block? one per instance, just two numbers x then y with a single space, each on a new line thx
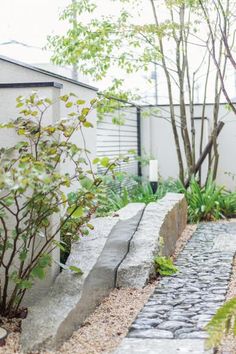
72 298
162 222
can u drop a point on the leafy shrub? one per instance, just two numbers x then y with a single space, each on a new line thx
203 203
223 323
32 193
139 192
210 202
228 204
164 266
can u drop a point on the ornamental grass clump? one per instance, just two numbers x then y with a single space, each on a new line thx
210 202
34 207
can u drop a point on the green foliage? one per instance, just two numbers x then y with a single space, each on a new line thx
96 45
164 266
223 323
117 195
203 203
210 202
112 100
33 185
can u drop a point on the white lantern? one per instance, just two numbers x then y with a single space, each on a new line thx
153 171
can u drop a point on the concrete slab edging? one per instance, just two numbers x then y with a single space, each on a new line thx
72 298
119 252
162 224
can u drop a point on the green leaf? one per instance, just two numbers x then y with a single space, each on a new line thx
93 101
64 98
69 104
76 270
85 111
23 255
87 124
9 201
105 161
20 104
25 284
164 266
21 131
48 100
80 102
59 245
38 272
96 160
79 211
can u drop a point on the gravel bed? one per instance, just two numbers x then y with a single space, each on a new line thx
109 324
103 331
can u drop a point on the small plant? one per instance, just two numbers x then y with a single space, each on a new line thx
164 266
222 324
117 201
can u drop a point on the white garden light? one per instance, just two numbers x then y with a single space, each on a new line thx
153 174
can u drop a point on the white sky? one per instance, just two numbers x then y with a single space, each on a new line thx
30 21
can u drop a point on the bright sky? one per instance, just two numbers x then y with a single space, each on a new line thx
30 21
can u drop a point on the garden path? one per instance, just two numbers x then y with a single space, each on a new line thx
173 319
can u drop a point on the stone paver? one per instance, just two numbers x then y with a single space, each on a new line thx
164 346
183 304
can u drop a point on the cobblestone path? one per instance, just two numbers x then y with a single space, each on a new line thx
183 304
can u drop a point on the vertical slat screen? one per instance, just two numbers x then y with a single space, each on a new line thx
115 139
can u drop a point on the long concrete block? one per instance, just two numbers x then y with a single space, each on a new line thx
158 231
72 298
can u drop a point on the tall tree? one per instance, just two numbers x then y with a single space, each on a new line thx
146 33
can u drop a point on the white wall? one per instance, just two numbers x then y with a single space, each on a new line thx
12 73
158 142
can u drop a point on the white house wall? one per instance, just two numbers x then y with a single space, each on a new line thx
158 142
12 73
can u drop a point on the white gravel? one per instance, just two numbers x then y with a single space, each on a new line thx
103 331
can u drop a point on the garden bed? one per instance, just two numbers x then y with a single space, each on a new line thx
105 328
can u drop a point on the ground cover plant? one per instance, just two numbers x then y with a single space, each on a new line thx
164 266
34 193
205 203
115 198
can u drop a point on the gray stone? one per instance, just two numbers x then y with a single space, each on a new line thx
183 330
202 317
215 298
194 335
226 242
166 219
72 298
163 346
140 326
180 318
173 325
151 333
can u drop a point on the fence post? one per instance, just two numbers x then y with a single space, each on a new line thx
139 140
